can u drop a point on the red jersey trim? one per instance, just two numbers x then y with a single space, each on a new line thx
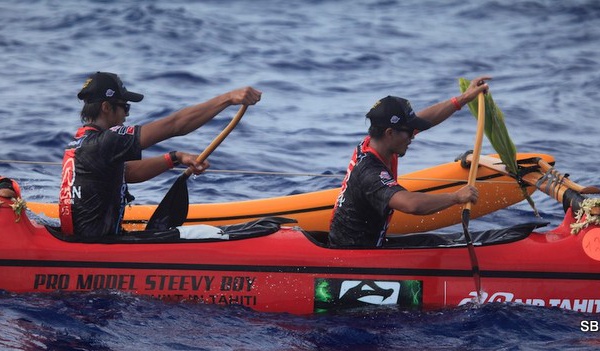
67 192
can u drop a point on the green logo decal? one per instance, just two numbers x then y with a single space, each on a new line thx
333 294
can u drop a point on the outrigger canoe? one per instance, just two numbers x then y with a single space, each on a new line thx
313 210
269 266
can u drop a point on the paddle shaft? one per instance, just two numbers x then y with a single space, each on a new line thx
471 181
478 142
219 139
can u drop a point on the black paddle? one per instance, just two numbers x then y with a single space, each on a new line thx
466 213
173 209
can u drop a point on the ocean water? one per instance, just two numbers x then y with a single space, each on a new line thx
320 64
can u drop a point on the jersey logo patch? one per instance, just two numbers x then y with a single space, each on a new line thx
122 130
387 179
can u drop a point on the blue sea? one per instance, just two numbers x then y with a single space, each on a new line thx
321 64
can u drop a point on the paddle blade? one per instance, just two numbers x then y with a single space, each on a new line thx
465 218
173 209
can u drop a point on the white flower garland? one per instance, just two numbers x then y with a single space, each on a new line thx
591 209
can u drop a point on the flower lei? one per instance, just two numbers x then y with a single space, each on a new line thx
589 213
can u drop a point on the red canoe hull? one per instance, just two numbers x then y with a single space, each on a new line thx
286 272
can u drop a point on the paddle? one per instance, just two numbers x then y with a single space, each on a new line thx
466 213
173 209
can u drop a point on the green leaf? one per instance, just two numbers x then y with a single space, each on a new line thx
497 134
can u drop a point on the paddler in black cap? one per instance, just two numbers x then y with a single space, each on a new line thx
105 154
370 192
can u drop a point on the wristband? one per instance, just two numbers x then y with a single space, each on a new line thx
456 104
168 160
171 159
174 159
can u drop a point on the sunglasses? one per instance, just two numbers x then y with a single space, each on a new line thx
125 106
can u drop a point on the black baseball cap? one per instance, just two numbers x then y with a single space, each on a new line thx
395 112
102 86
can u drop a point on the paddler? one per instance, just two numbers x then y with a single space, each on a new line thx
370 192
105 154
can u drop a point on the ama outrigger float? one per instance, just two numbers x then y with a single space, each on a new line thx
268 265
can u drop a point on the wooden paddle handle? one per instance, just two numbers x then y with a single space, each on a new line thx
478 142
219 139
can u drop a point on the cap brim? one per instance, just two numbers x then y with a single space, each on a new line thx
133 97
419 124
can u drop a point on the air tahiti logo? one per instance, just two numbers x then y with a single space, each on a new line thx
341 293
579 305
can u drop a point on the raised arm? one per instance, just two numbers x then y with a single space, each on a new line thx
439 112
191 118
